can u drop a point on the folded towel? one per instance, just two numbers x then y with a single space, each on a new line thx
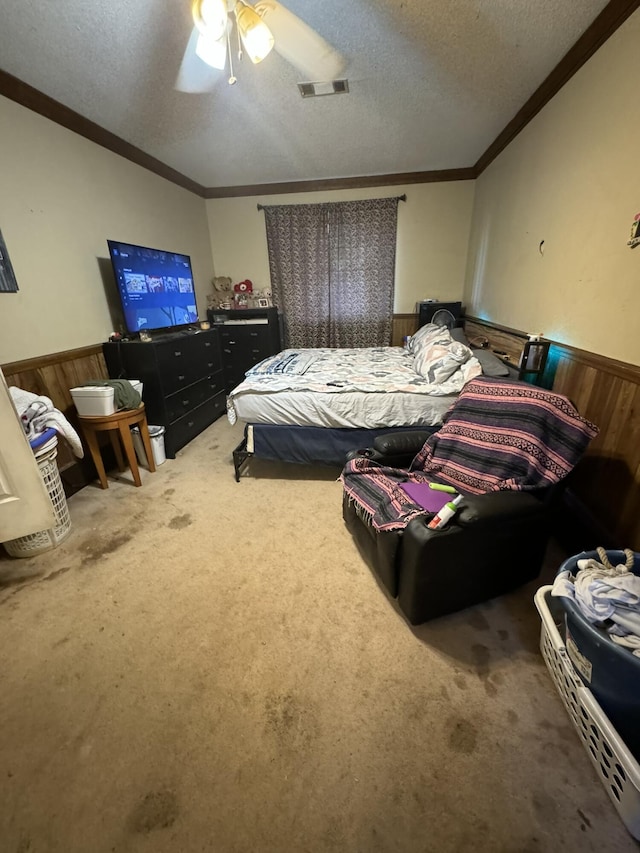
37 414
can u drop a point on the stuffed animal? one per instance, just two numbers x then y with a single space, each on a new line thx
222 289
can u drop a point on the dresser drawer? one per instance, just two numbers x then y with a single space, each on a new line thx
187 427
207 351
245 336
176 365
189 397
188 359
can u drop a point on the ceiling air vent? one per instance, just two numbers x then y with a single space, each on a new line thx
315 90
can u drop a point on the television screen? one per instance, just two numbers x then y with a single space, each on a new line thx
156 287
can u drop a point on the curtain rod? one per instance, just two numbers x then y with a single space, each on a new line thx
402 197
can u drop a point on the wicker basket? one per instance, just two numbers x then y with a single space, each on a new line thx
44 540
617 769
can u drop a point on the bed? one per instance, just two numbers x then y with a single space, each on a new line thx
312 406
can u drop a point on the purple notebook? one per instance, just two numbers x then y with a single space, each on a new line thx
429 499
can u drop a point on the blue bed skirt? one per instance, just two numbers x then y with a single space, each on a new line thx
308 445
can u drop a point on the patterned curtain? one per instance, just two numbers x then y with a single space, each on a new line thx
333 271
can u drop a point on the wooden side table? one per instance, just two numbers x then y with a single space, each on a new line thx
118 423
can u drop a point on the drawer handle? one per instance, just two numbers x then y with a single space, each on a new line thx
207 343
190 423
185 403
253 334
228 351
209 364
177 352
181 376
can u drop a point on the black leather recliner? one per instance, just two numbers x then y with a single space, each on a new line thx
495 543
506 447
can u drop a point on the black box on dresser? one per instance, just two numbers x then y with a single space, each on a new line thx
184 388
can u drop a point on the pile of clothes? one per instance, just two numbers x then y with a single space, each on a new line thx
608 596
39 416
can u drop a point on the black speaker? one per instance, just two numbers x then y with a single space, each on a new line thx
449 316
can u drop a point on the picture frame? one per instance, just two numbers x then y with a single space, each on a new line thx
8 281
263 302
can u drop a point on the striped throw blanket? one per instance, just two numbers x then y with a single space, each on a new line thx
498 435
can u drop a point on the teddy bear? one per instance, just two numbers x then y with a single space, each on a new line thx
222 291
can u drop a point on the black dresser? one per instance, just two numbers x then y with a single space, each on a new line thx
247 336
183 381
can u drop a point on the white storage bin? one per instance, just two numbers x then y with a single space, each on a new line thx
91 400
156 433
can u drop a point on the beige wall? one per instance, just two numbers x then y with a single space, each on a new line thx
433 232
61 198
571 178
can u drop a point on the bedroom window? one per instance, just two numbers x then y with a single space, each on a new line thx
333 271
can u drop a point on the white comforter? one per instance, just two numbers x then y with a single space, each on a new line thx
377 370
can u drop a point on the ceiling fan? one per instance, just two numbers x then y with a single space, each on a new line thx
258 28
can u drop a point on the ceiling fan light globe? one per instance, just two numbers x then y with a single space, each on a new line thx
256 36
210 17
214 53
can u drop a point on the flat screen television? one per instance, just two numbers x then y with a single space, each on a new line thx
156 287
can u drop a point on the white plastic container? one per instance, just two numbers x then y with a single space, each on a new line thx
156 433
91 400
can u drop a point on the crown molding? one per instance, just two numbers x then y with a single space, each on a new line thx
16 90
614 14
467 174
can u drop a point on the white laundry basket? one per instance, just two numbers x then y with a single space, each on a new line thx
156 434
616 767
44 540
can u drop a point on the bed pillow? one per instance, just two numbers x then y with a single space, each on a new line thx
428 335
437 362
490 363
458 334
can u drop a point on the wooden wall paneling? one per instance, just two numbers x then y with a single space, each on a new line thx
403 324
608 479
52 376
500 339
624 429
606 482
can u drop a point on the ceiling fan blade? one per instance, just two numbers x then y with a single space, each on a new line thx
195 75
299 44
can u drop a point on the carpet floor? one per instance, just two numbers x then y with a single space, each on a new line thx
210 666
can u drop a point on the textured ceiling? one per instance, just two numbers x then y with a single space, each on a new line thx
432 82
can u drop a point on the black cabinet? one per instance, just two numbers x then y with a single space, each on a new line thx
183 381
246 336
